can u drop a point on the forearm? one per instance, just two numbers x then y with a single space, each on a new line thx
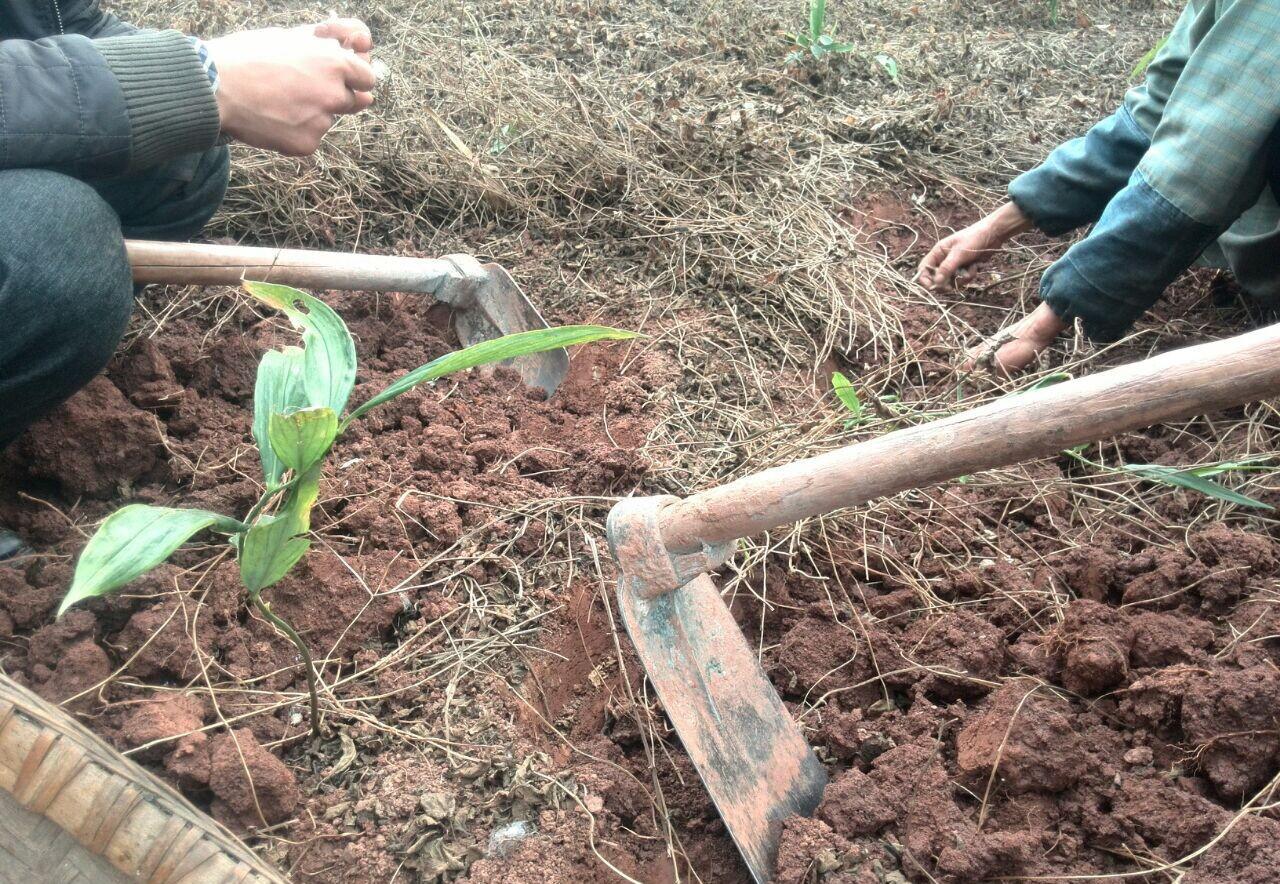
102 107
1074 184
1008 221
1139 246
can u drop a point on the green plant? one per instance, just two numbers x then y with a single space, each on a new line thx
502 140
1192 478
816 41
299 399
889 65
1145 62
849 398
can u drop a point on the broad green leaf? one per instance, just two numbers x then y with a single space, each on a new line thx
301 438
330 361
278 390
817 17
1145 62
845 392
274 544
133 540
1190 480
497 350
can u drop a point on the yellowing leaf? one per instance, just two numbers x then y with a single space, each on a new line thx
301 438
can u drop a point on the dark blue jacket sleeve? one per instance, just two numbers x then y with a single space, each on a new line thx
1074 184
1115 274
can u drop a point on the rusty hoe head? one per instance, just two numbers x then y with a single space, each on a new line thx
748 751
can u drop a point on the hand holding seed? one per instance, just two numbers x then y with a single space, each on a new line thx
282 89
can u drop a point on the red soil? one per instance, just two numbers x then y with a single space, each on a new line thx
1081 698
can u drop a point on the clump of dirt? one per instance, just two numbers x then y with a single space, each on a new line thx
1023 741
1231 718
853 805
96 443
808 850
251 786
820 654
66 662
1247 855
1160 640
1090 649
151 724
963 654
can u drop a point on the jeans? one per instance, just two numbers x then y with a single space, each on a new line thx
66 290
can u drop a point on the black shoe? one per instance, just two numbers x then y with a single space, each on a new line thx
10 544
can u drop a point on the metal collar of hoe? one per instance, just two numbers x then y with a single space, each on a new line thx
749 752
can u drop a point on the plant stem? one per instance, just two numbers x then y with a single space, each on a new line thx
261 604
268 495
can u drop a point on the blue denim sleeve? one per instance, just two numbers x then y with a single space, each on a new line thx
1074 184
1111 277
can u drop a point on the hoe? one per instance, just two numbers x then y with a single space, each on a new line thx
749 752
485 301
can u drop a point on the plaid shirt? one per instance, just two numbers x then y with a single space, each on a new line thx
1182 160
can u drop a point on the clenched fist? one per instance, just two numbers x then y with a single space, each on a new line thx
282 89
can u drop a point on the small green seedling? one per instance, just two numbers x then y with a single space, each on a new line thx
848 397
502 140
889 65
299 402
816 41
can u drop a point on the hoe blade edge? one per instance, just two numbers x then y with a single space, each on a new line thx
747 749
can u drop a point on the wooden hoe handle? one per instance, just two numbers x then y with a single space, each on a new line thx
1178 384
201 264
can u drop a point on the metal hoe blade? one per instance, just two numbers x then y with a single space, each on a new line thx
748 751
486 301
487 304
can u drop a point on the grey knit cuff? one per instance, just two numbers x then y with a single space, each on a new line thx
172 110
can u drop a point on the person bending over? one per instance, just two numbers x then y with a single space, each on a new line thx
108 131
1186 171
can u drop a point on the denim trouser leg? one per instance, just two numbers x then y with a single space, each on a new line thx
66 290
